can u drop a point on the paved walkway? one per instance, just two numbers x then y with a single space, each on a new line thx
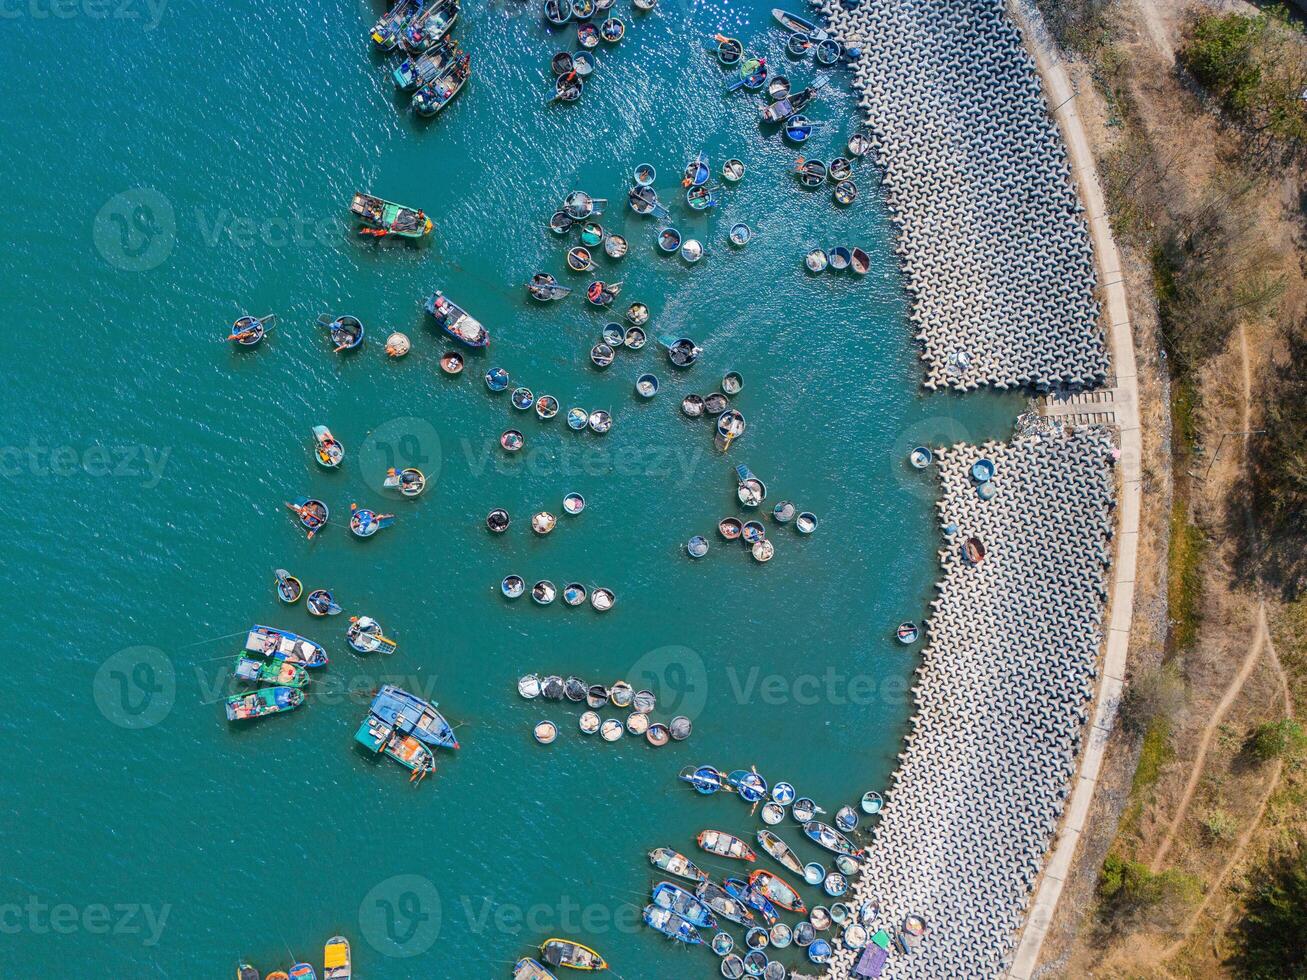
1121 403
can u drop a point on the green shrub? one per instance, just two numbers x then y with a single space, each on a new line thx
1277 739
1128 888
1273 931
1219 825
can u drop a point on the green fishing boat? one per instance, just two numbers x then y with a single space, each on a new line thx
404 748
387 218
276 672
265 701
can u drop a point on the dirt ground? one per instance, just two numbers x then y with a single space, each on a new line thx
1232 676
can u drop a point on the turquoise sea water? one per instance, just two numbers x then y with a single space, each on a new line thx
168 168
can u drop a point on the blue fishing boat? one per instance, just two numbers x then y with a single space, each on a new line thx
250 330
701 197
671 925
722 903
411 715
753 74
364 523
697 171
438 93
455 321
744 892
676 899
681 351
557 12
346 331
422 69
529 969
705 780
796 24
365 635
265 701
830 839
268 641
388 30
427 29
312 513
751 786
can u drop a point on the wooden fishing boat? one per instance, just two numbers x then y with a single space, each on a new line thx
248 330
546 407
568 88
529 969
427 29
543 287
328 451
841 168
560 223
346 331
364 523
753 899
579 260
337 964
365 635
816 260
312 513
778 88
669 240
872 802
845 193
321 603
583 63
830 839
407 750
289 588
840 257
638 314
561 63
671 925
806 522
579 205
409 481
566 952
513 586
682 351
557 12
676 899
587 35
279 673
387 31
455 321
592 233
383 217
646 386
729 50
733 171
749 784
859 261
645 174
846 819
414 716
697 171
811 173
643 200
779 851
600 293
829 51
615 246
265 701
859 145
612 30
796 24
398 345
422 69
787 105
675 863
722 903
268 641
701 198
725 845
302 971
750 490
601 599
798 45
438 93
730 528
777 890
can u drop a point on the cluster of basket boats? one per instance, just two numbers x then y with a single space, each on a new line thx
337 964
573 68
434 68
696 904
640 705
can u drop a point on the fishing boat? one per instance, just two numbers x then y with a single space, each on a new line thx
796 24
279 673
583 9
846 819
529 969
246 972
546 407
753 899
265 701
733 171
601 355
811 173
600 422
697 171
722 903
587 35
646 386
829 51
248 330
749 784
387 31
364 523
671 925
560 223
779 851
600 293
816 260
414 716
278 975
615 246
753 79
705 780
427 29
268 641
974 551
568 88
669 241
561 63
725 845
645 174
579 205
578 259
410 481
830 839
676 899
289 588
328 452
798 128
557 12
592 233
312 513
303 971
644 6
729 50
750 490
872 802
407 750
398 345
859 145
544 287
346 331
840 257
841 168
675 863
439 92
778 87
859 261
566 952
455 321
845 193
612 30
583 63
337 964
422 69
513 586
682 351
321 603
778 890
388 218
701 198
797 45
364 635
907 633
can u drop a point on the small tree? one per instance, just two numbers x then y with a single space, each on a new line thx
1219 825
1278 739
1274 927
